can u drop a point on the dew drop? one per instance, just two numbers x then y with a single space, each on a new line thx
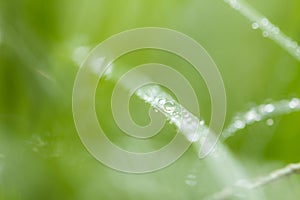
252 116
265 22
270 122
276 30
294 45
236 6
188 119
294 103
148 98
155 110
265 34
97 65
169 107
79 54
191 176
201 123
193 137
161 101
239 124
191 180
269 108
255 25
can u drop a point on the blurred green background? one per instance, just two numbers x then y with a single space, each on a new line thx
41 44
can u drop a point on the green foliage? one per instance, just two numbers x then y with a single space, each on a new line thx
41 156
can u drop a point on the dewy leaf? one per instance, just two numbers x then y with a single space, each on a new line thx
268 29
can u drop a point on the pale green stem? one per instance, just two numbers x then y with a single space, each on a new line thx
269 30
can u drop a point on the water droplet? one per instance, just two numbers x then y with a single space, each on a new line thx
98 65
155 110
79 54
202 122
161 101
192 176
255 25
243 183
252 116
294 103
148 98
269 108
288 42
191 180
294 45
169 107
265 34
276 30
108 72
189 119
239 124
193 137
185 113
236 6
265 22
266 108
270 122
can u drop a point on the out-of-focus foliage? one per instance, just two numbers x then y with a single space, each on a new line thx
41 156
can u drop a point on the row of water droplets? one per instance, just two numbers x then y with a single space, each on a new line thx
195 130
268 29
224 165
192 128
188 124
191 180
261 113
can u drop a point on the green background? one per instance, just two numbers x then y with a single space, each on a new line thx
41 156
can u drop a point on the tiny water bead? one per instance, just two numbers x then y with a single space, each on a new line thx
252 116
202 122
234 4
265 34
190 126
264 24
185 113
255 26
149 94
239 124
191 180
97 65
260 113
268 29
162 102
169 106
294 103
80 53
270 122
194 137
268 108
